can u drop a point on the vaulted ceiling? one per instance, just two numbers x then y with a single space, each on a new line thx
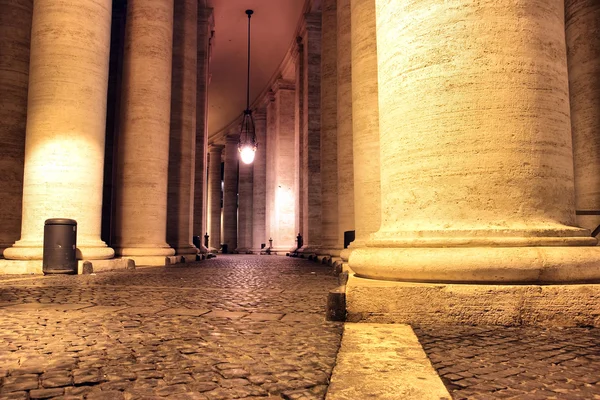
272 33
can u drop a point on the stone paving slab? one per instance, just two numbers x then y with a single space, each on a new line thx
495 362
383 361
157 333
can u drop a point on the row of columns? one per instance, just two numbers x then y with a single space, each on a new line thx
66 119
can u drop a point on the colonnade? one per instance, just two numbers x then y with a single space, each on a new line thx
62 162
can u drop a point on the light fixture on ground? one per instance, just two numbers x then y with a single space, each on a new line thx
247 144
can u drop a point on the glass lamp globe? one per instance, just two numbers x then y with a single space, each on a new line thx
247 153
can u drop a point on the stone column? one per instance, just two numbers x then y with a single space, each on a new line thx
200 189
345 177
259 182
143 154
15 34
271 142
284 234
583 54
214 197
297 54
475 187
230 191
245 217
311 131
66 118
182 140
365 122
329 154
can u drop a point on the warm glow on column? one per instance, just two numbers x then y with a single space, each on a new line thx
247 153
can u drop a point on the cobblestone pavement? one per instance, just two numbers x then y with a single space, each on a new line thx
225 328
515 362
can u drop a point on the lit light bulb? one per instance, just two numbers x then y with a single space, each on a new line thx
247 154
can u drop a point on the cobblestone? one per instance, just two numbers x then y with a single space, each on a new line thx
515 362
230 327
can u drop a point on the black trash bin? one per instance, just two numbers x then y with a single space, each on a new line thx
349 237
224 248
60 244
196 241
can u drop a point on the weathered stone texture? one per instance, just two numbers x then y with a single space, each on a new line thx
230 191
214 197
259 181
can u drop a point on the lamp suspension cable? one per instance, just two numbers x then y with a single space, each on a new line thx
247 144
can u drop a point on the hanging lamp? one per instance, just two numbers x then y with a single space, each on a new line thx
247 144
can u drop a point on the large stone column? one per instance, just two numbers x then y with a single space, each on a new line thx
143 154
329 153
365 122
200 190
214 197
583 54
66 118
311 131
271 143
15 34
284 232
345 177
475 187
259 181
182 140
245 217
230 191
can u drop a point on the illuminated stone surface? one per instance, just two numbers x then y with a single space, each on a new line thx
234 326
214 197
345 178
259 184
200 210
66 111
470 194
182 139
365 122
230 190
582 19
15 34
142 167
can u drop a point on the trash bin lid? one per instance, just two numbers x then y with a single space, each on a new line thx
60 221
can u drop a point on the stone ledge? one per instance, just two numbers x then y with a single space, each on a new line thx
384 362
509 305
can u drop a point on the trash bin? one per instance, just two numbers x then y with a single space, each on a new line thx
224 248
348 238
60 244
196 241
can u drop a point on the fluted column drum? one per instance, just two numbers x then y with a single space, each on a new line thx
476 156
66 119
143 154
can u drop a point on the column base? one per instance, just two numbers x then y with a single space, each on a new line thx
333 252
345 254
146 256
185 249
29 250
370 300
494 265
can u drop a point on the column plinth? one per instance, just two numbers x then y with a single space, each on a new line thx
143 153
475 188
66 118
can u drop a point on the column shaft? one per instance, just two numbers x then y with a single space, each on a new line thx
270 175
365 122
259 183
200 190
15 35
345 165
182 140
143 154
245 198
475 188
66 118
312 132
329 137
583 54
284 234
214 197
230 191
